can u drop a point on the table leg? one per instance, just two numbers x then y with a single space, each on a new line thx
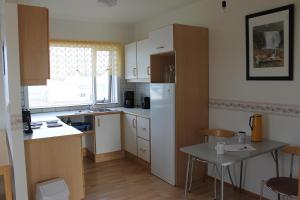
277 168
222 183
241 175
187 175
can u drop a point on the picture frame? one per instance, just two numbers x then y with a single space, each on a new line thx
270 44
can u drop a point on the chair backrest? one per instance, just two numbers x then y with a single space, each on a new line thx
217 133
294 151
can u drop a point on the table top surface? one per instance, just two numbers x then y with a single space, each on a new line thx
207 152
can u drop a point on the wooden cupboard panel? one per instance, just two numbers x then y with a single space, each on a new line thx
160 64
129 125
34 45
53 158
191 47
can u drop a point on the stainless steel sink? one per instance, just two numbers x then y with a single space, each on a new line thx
102 110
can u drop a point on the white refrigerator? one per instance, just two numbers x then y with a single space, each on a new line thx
163 131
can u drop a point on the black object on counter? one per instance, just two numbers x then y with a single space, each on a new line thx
129 99
146 103
26 117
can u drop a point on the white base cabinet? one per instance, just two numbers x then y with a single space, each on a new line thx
137 136
143 149
129 125
108 133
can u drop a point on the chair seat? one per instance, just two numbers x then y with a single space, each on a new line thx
283 185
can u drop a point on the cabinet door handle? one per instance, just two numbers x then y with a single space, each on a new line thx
144 129
160 47
134 71
133 123
98 121
148 70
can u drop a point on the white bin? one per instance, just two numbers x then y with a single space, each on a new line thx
55 189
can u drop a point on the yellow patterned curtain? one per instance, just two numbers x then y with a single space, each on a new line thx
85 57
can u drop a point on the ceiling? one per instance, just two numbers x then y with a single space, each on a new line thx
125 12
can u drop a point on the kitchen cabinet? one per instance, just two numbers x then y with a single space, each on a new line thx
161 40
143 149
108 133
137 136
143 128
131 61
33 25
130 142
143 59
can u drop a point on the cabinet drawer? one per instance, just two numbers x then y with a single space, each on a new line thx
143 149
161 40
143 128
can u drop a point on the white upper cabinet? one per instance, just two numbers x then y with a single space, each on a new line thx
108 133
161 40
143 59
130 61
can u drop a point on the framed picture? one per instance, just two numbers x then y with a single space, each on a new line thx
270 44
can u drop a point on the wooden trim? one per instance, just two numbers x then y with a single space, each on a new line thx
44 161
137 160
252 194
192 61
103 157
89 154
5 171
83 152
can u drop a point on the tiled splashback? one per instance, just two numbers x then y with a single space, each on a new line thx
142 90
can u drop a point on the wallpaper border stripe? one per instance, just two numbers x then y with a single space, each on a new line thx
259 107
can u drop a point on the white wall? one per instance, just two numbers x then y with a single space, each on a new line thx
228 71
82 30
12 110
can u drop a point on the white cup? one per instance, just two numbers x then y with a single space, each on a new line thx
220 148
242 137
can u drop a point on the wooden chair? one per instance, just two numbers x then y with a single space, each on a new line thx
219 133
284 186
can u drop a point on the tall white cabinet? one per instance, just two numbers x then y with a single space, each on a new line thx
108 133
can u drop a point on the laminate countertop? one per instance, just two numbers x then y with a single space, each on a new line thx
65 130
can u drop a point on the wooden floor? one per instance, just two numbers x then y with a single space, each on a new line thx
124 179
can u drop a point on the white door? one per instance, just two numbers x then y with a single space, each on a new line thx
130 143
161 40
130 61
163 131
143 59
108 133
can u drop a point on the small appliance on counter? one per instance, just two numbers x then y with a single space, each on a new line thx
255 123
129 99
26 117
146 103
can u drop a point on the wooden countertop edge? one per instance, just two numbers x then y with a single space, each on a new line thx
90 114
54 137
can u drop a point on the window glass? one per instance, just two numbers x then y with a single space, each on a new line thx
79 75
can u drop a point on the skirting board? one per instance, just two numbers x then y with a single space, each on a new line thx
137 160
254 195
109 156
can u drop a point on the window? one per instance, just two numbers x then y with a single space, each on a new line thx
80 73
